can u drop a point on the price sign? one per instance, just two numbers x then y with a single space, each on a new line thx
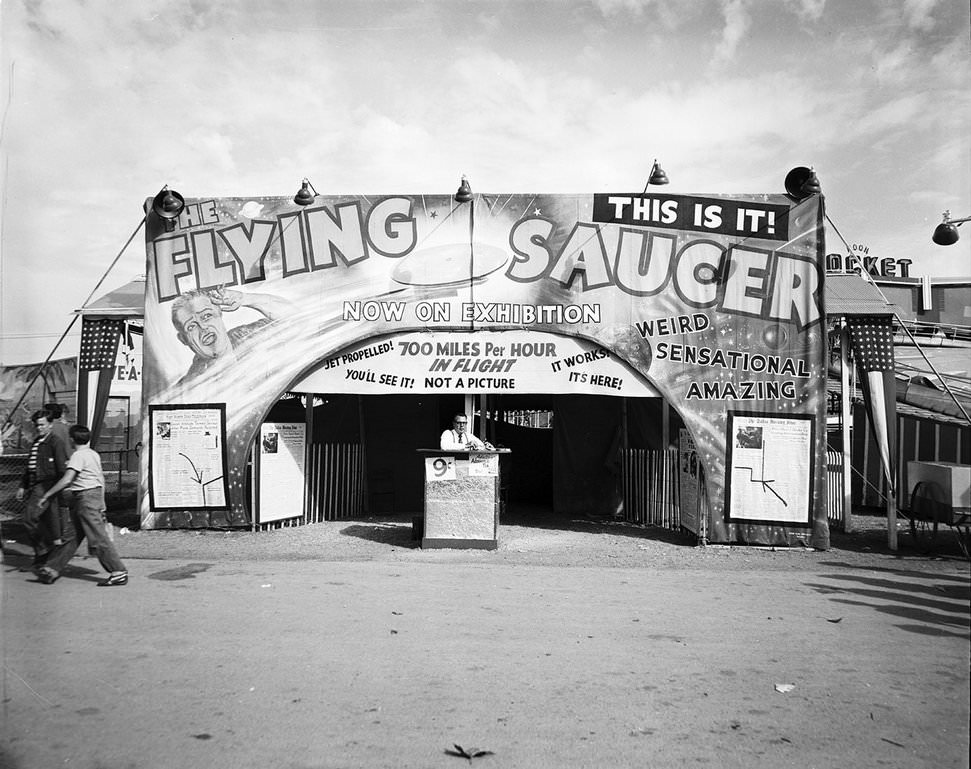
440 468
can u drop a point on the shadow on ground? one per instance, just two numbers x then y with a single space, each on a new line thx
932 604
536 517
870 536
394 533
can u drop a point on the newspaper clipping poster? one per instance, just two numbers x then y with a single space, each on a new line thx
771 469
188 456
281 470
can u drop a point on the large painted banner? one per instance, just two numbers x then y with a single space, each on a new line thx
713 302
473 362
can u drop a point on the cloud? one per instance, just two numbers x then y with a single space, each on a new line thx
810 10
919 13
109 101
611 7
737 22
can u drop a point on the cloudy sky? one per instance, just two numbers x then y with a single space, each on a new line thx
104 102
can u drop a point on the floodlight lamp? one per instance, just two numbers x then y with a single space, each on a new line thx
801 182
464 193
946 233
657 176
304 196
167 206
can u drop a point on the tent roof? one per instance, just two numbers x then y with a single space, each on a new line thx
913 400
127 301
850 294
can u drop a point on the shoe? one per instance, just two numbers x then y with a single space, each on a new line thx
116 578
47 575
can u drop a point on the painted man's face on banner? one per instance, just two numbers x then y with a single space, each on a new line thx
202 328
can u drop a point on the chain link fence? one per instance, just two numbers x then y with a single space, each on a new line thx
121 487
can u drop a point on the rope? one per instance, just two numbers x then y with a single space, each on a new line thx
70 325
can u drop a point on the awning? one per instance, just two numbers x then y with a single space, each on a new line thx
850 294
127 301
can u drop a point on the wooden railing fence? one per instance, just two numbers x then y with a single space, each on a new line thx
650 481
335 482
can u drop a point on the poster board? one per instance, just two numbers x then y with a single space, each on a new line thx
483 465
187 457
688 479
282 487
770 462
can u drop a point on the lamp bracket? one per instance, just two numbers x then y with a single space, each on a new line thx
956 222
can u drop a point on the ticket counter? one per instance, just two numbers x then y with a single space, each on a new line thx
463 497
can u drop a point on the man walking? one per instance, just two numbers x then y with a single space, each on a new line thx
46 463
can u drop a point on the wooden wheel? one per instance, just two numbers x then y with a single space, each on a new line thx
926 504
964 538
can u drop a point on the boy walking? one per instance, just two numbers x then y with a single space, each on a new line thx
85 482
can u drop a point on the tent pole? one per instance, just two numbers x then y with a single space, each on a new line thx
362 437
624 449
666 422
846 416
891 518
931 365
308 420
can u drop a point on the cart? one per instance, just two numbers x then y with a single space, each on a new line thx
940 495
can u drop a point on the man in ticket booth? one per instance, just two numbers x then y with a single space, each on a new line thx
458 437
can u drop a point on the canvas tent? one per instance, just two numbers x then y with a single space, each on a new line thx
126 302
709 304
26 388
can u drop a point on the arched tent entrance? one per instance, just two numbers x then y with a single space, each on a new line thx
574 439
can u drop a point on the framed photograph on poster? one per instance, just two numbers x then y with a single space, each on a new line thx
770 469
187 457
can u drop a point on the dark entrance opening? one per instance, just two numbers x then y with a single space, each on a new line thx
524 424
567 460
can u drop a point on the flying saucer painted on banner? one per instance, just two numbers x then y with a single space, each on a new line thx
449 265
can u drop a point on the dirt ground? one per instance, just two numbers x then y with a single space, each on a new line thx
579 643
533 536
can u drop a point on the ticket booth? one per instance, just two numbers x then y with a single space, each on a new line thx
463 498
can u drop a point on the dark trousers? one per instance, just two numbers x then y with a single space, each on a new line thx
87 519
39 521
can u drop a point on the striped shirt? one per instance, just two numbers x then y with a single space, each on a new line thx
32 458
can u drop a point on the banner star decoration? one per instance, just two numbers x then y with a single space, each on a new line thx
99 344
